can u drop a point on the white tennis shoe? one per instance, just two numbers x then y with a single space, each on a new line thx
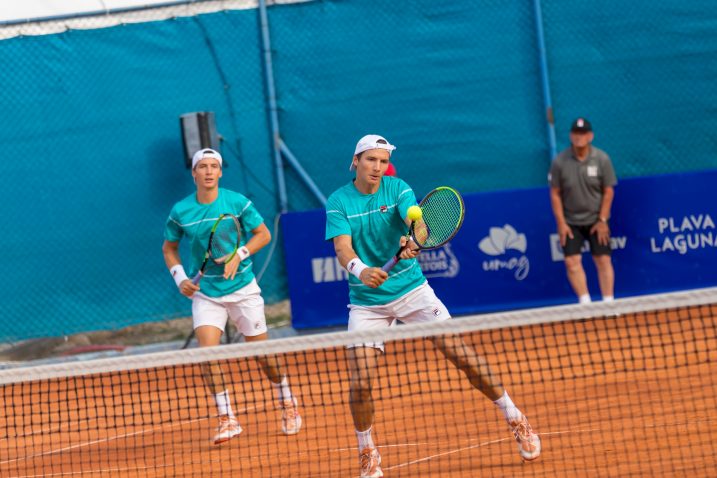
228 428
370 463
290 418
528 440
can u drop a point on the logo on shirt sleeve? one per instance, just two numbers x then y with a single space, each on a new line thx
383 208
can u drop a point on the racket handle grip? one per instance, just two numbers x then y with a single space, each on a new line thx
389 265
197 278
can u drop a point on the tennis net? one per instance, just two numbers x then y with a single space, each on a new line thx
614 389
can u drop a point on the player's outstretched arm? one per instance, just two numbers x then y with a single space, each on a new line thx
370 276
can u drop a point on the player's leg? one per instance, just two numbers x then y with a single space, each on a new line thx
475 367
362 368
603 263
574 265
423 306
209 336
363 362
271 365
246 309
209 318
482 378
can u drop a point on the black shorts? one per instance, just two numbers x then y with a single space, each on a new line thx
580 235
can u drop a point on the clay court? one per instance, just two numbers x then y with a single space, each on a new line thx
618 396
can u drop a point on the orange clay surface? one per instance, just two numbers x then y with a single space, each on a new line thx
629 396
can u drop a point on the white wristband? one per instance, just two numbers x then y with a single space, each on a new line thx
178 274
243 253
356 267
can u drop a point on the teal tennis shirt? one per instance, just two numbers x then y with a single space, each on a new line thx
375 223
195 220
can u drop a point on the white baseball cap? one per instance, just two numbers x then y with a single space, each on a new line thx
206 153
371 141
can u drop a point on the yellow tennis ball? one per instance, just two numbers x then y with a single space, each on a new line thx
415 213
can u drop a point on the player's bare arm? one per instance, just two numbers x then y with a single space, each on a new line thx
370 276
260 237
170 250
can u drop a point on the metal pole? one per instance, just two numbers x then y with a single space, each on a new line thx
300 170
271 100
545 80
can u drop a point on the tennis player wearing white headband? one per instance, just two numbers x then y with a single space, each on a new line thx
373 205
228 291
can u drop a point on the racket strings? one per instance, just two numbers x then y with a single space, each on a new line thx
442 217
225 240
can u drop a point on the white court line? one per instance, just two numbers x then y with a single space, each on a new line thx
95 442
107 440
493 442
478 445
445 453
470 447
340 450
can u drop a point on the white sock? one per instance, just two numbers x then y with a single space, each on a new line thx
224 406
584 299
506 405
283 391
364 440
608 298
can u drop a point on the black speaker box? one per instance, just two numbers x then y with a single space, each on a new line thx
199 131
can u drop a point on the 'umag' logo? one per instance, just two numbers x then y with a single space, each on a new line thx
499 242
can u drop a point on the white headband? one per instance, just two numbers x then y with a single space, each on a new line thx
371 141
206 153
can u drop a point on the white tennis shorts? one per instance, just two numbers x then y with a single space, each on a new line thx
245 307
418 306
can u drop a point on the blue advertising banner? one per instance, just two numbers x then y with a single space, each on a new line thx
507 255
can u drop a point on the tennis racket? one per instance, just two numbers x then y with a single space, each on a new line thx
443 212
223 243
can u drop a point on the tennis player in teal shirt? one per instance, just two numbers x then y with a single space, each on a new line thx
366 219
228 291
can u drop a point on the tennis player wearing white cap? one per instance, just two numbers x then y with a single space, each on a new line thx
375 206
225 292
